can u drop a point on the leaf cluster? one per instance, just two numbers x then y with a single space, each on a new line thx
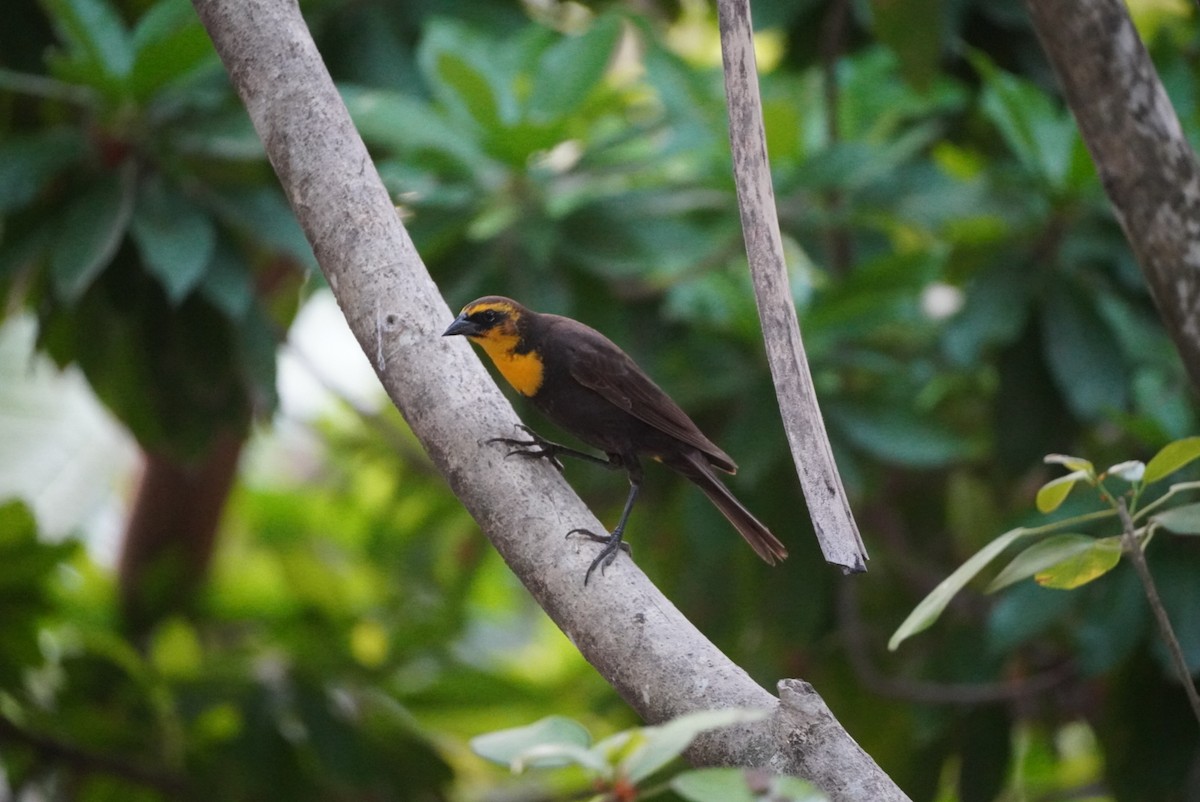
1069 560
622 766
140 220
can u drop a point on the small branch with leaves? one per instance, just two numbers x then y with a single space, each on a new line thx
1065 559
636 763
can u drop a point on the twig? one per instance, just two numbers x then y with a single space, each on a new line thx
839 244
1134 550
87 762
948 693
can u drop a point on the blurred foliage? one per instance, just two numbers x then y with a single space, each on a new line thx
633 763
968 305
142 222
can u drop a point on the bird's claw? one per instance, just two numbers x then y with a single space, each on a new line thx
612 544
536 447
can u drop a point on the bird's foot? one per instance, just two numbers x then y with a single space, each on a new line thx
536 447
612 544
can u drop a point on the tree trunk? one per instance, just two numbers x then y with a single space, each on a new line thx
171 532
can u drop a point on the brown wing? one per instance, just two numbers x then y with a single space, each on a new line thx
599 364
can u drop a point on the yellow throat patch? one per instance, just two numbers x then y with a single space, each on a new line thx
522 371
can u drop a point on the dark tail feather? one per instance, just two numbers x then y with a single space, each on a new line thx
695 467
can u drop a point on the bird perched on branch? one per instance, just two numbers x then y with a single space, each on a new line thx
583 382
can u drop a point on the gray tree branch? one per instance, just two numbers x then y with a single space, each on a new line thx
1144 160
653 656
802 421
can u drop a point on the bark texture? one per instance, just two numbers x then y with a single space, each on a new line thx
1144 160
819 478
653 656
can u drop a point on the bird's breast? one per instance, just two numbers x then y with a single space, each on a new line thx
524 371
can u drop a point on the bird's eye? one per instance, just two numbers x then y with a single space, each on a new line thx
489 316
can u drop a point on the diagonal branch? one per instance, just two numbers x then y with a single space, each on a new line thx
653 656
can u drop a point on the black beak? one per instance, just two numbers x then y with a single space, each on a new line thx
462 325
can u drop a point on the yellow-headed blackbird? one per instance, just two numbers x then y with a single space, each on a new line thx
591 388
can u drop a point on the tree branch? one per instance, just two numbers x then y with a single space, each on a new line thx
1133 549
819 478
86 762
653 656
1145 163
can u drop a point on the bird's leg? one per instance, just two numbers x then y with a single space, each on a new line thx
538 447
613 540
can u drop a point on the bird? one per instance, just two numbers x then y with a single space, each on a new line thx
584 383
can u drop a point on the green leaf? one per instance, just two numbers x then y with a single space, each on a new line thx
1038 132
1024 612
741 785
714 785
99 49
408 124
1183 520
898 435
91 230
465 73
1081 568
26 565
1171 458
913 31
925 613
504 746
793 789
175 237
1070 463
1051 495
17 525
1083 354
1039 557
169 43
665 742
472 87
27 163
264 214
548 756
570 69
175 650
227 283
22 249
995 312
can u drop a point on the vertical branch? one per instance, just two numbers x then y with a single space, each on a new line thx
834 523
838 244
1134 550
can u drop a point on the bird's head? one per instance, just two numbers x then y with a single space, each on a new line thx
491 318
498 324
